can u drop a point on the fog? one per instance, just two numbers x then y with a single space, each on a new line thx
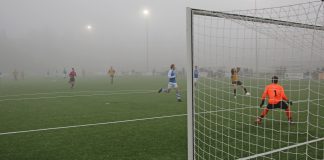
37 36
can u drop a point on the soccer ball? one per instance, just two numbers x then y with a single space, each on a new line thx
248 93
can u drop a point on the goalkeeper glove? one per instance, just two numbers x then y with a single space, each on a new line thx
262 103
290 102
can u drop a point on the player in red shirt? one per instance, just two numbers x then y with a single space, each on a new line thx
276 95
72 76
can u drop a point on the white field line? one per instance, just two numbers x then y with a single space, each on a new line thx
223 110
93 124
69 92
282 149
105 123
71 96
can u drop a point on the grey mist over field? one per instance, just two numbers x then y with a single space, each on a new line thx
41 35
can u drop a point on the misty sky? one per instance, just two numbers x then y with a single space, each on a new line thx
41 35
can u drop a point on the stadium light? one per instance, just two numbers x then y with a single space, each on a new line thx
89 27
146 12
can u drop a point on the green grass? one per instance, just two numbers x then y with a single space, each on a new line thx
93 100
225 127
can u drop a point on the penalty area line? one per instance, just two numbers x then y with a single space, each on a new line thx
92 124
72 96
103 123
71 92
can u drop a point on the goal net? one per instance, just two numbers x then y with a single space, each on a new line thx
255 45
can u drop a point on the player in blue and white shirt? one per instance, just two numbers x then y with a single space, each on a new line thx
172 83
196 75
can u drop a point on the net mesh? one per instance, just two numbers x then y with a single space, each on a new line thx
284 41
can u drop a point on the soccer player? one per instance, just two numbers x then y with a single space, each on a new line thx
64 72
111 73
172 83
236 82
15 74
196 75
276 95
48 73
72 76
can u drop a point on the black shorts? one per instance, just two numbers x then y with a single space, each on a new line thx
281 104
72 79
237 83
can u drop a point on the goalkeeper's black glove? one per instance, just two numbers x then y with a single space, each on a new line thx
290 102
262 103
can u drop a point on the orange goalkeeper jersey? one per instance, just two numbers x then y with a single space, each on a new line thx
275 93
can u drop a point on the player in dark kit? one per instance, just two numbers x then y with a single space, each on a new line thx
111 72
72 76
195 76
236 82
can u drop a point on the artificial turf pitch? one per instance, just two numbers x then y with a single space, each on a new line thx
45 103
130 120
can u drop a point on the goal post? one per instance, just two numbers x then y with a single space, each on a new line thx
287 42
190 138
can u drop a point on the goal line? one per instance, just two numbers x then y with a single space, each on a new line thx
282 149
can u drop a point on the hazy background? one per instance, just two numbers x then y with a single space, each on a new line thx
41 35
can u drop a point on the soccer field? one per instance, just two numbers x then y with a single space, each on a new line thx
44 119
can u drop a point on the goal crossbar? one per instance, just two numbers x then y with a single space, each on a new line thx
255 19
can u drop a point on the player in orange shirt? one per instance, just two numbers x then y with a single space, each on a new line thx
276 95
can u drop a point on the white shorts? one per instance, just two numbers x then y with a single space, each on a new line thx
172 85
195 80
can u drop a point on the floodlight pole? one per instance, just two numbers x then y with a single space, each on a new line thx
147 45
146 14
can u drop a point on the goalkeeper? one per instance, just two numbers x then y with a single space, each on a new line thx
276 95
